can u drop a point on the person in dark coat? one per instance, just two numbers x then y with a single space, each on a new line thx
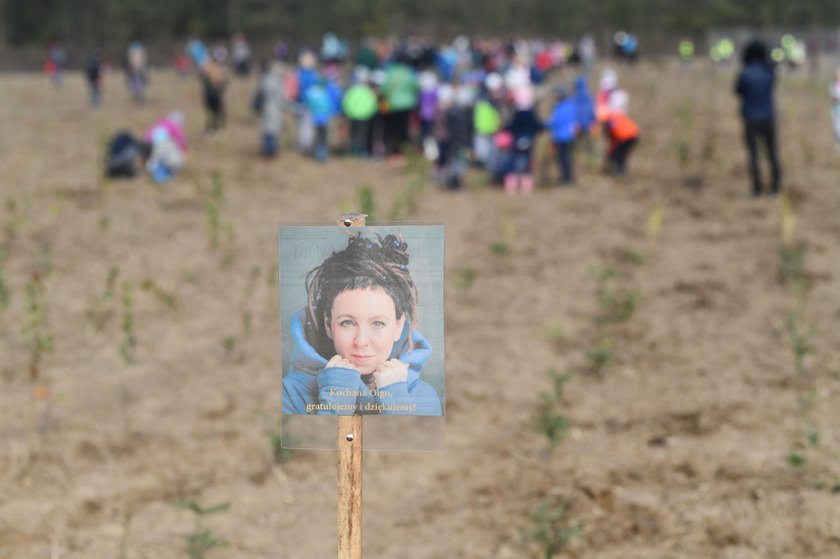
754 86
93 73
524 126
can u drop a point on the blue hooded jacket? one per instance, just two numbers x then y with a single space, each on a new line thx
321 103
584 104
311 388
307 77
563 121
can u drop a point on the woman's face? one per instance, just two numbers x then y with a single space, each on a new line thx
364 327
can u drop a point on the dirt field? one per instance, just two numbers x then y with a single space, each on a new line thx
693 429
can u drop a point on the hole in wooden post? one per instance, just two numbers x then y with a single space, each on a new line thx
350 437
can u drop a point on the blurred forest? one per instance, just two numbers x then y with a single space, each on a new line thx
87 23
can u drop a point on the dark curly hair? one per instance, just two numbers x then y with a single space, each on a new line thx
364 264
755 51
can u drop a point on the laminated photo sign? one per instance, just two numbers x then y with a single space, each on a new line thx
362 330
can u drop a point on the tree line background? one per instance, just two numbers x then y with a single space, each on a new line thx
86 24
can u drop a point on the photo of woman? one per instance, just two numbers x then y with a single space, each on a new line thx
355 345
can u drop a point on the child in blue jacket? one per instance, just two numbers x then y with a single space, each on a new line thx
587 120
355 349
563 125
322 100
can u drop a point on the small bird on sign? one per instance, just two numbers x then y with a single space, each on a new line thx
352 220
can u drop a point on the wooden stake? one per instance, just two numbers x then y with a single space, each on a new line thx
350 487
350 464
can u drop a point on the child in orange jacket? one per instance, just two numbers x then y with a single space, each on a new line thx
623 134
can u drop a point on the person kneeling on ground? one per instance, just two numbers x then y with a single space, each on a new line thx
168 148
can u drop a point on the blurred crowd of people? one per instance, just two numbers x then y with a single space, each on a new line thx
479 103
462 104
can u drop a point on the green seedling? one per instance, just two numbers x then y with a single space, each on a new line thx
508 235
213 208
46 259
229 345
599 358
466 278
558 383
685 115
12 225
18 214
813 435
499 248
129 345
272 277
367 202
787 220
202 540
553 528
654 228
792 254
98 313
250 288
110 285
556 333
166 297
791 270
800 340
632 256
796 459
36 330
5 295
615 305
549 421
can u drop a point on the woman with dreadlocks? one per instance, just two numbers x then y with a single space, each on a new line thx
355 348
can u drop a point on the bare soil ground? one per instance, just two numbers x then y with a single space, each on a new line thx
684 445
